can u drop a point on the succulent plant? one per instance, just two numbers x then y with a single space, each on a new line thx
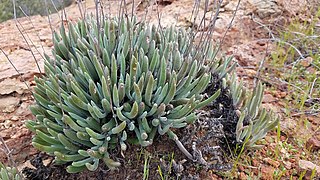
8 173
116 83
254 121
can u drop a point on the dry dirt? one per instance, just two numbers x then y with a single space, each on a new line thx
244 41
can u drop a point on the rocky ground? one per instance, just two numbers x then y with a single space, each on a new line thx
293 150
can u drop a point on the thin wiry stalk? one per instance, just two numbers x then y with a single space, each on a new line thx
102 11
32 43
204 13
47 9
261 65
97 2
132 8
147 11
54 6
63 10
312 86
263 25
8 153
108 10
286 43
159 22
33 28
121 12
211 29
49 19
80 8
16 23
125 9
229 26
85 8
120 9
194 14
15 68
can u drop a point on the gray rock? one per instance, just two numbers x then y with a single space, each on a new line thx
8 104
266 8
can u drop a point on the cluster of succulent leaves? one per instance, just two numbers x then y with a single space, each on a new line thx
125 83
254 122
120 81
8 173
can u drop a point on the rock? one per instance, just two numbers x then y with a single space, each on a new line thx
268 98
9 86
8 124
8 104
255 162
292 160
231 6
271 106
267 172
284 152
307 165
241 168
23 61
24 165
313 144
265 8
287 164
272 162
214 176
295 6
283 94
15 118
314 120
306 61
21 133
251 72
47 161
23 109
4 134
288 125
243 176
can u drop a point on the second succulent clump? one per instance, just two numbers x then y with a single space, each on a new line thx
8 173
